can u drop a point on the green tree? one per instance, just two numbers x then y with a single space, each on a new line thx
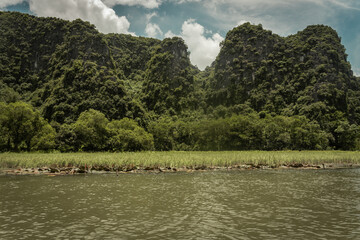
127 135
214 135
162 130
66 138
246 132
306 134
347 136
45 138
24 128
5 140
91 131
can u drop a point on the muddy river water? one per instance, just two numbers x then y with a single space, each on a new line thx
253 204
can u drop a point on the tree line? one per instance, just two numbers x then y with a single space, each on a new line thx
23 129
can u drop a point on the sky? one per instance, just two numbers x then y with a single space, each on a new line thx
203 24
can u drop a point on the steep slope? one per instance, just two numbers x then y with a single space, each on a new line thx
243 64
169 78
131 55
63 67
303 74
67 67
26 46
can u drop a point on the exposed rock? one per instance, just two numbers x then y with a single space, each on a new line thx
54 170
296 165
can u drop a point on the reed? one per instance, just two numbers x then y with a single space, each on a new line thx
177 159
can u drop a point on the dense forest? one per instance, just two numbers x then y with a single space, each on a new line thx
64 86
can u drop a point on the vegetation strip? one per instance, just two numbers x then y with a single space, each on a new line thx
70 163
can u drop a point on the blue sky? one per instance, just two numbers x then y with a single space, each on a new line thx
203 24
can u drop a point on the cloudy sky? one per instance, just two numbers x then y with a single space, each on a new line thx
203 24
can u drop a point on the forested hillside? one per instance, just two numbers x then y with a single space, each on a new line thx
65 86
305 74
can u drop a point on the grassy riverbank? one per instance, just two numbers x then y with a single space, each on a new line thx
189 160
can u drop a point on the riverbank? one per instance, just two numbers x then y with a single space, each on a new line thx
106 170
76 163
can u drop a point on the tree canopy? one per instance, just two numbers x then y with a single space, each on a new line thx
65 86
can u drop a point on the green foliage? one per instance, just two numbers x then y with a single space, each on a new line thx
7 94
162 130
118 92
169 78
94 132
22 128
347 136
44 139
240 132
306 73
127 135
91 130
213 135
66 138
82 86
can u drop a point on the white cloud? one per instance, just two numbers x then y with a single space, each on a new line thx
144 3
281 16
169 34
94 11
186 1
353 4
356 71
150 16
203 51
286 17
153 30
6 3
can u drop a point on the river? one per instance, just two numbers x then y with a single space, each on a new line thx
253 204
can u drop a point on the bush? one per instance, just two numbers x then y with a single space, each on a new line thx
127 135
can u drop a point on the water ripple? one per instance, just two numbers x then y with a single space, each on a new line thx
211 205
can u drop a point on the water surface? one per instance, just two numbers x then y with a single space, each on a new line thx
256 204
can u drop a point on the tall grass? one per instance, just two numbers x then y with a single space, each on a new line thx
176 159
